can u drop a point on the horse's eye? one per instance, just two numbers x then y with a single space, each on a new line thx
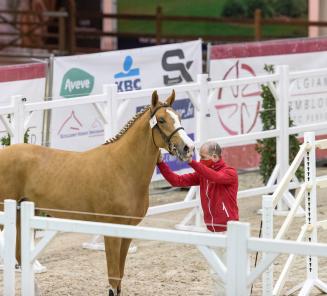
161 120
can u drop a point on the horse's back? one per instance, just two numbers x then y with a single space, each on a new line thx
20 163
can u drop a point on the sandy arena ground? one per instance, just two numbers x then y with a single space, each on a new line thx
160 268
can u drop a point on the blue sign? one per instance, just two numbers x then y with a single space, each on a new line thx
173 162
184 107
129 78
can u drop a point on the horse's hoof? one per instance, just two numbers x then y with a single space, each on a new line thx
113 292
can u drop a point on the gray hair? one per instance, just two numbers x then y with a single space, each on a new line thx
213 148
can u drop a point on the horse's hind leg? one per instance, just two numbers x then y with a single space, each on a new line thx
18 239
123 254
112 248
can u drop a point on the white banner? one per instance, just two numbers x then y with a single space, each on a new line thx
236 109
31 89
80 128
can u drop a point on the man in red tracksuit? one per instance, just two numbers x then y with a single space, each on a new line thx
218 185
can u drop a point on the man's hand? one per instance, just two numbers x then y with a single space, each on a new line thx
160 158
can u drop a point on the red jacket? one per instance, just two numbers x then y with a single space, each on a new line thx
218 190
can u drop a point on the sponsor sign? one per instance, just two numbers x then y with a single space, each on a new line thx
236 109
76 83
27 80
80 128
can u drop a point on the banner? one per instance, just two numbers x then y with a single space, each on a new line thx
80 128
236 109
27 80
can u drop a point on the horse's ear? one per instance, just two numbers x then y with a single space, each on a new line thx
170 100
155 99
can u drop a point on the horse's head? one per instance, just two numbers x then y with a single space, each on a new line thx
167 130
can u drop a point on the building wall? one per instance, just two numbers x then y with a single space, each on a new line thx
317 12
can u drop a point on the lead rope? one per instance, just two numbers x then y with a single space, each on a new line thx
256 254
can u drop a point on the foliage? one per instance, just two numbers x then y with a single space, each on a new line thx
234 8
267 147
210 8
269 8
291 8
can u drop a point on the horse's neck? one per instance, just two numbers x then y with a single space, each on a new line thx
136 150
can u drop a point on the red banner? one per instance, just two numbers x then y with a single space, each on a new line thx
22 72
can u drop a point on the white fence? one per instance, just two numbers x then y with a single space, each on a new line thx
236 273
110 105
237 242
308 189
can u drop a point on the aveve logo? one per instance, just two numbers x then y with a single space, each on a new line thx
240 113
76 83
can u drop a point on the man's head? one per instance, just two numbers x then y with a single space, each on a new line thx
210 151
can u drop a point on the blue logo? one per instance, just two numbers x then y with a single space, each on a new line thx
184 107
128 79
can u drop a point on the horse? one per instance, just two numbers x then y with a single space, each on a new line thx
112 178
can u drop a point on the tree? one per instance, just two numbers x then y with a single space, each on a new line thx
267 147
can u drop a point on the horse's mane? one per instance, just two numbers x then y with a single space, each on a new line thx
127 126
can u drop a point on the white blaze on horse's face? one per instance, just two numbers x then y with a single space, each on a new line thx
185 151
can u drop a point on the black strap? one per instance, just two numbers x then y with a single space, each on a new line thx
156 109
174 132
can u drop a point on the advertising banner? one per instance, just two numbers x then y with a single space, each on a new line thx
27 80
80 128
236 109
245 60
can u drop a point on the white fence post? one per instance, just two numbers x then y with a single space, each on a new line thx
203 106
18 120
267 232
106 126
9 248
27 245
237 258
200 130
311 201
282 125
114 109
109 128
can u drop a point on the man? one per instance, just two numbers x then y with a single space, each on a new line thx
218 191
218 185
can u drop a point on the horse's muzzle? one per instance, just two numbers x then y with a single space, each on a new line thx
184 152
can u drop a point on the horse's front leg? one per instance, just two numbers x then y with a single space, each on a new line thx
112 248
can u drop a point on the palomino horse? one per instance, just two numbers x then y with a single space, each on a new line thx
110 179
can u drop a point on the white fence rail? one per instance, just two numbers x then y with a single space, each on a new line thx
310 227
236 273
